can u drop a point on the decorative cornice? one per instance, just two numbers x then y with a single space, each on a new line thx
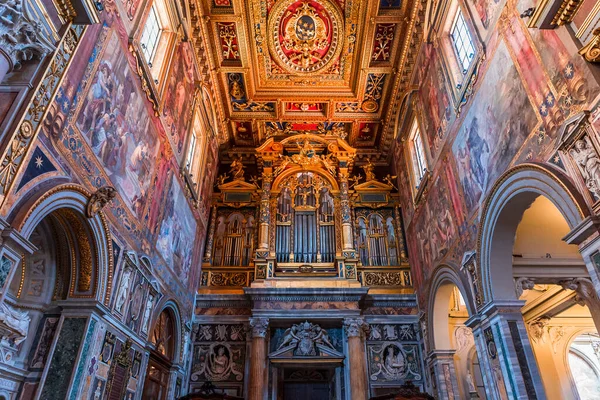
566 12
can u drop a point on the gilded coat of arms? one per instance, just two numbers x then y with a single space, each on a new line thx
305 34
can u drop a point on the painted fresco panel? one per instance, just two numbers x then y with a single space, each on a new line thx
499 120
177 232
114 120
207 177
437 223
179 96
437 109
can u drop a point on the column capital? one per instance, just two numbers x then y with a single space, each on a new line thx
259 326
355 327
22 39
584 288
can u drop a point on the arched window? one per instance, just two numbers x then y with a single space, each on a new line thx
195 155
157 38
163 335
584 362
156 385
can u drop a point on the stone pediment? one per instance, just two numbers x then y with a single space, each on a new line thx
237 186
373 186
288 353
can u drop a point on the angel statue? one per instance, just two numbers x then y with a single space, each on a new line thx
237 170
369 169
588 162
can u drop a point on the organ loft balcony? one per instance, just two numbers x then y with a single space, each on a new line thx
302 213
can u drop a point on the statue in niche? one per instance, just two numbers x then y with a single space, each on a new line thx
588 162
305 337
147 312
122 294
369 169
14 324
237 170
471 385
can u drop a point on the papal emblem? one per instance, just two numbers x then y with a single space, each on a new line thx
306 35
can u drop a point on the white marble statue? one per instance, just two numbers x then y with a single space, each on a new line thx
147 312
16 323
122 295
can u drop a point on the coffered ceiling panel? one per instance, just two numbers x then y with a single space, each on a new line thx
328 67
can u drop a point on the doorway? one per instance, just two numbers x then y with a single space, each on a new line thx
304 383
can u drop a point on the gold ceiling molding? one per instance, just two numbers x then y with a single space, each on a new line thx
294 65
405 70
566 12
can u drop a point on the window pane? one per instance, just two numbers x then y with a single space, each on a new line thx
191 152
150 36
462 41
418 156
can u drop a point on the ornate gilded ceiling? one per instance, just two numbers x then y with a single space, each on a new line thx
328 67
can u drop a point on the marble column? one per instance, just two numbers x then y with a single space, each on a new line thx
355 328
507 362
258 359
442 364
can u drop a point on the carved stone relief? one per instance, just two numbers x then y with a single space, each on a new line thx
219 354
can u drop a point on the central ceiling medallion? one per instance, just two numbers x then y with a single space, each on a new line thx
305 35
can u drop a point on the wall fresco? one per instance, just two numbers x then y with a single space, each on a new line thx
177 232
434 95
499 120
179 96
113 118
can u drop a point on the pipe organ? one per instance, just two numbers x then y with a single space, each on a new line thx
306 217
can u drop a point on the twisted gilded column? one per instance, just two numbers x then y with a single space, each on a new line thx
355 329
258 359
346 214
265 211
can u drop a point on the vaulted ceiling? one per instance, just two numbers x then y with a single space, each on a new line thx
330 67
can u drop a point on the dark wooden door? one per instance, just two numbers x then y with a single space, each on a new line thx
306 390
157 381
